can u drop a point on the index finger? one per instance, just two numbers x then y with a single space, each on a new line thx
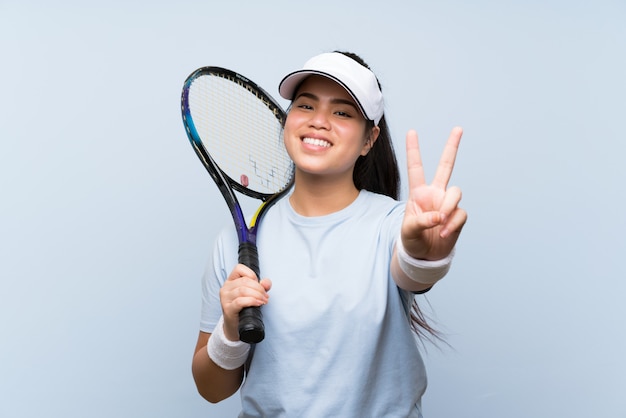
415 168
241 270
446 163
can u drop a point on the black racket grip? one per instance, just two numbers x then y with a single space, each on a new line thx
251 328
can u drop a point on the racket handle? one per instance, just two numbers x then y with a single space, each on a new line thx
251 328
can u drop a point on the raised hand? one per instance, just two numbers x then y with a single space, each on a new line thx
433 220
241 290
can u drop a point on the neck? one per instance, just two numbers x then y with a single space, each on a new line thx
316 197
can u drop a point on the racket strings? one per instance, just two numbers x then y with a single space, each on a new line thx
241 133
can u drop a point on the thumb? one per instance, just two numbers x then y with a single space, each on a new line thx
267 284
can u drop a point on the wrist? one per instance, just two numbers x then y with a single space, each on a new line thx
426 272
227 354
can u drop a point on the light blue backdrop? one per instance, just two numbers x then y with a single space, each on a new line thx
106 216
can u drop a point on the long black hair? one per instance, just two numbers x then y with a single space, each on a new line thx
378 172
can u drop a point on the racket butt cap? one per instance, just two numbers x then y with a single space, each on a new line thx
251 328
252 335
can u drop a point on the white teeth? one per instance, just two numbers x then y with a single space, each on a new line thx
317 142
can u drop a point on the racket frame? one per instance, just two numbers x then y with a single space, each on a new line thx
251 328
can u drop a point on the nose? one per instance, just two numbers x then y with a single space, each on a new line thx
319 119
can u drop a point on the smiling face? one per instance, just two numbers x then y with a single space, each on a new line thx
325 132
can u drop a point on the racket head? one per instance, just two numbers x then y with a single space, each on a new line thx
236 128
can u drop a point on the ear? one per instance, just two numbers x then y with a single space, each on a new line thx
369 140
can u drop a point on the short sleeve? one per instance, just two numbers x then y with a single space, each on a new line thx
222 260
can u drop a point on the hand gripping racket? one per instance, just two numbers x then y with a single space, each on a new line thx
236 128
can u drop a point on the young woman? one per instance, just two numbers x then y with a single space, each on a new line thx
343 259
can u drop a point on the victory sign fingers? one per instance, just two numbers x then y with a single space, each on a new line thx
433 219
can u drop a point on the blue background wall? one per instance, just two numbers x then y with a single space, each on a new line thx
106 216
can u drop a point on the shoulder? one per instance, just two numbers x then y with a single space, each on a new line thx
383 213
378 198
380 204
226 239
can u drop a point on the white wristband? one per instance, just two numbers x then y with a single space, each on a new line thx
229 355
422 271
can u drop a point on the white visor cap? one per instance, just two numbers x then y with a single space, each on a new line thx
359 81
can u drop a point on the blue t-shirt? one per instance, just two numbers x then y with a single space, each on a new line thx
338 339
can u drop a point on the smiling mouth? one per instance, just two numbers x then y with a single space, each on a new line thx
316 142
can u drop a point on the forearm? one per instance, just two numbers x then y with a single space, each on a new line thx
213 382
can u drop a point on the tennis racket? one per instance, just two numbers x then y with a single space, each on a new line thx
235 128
